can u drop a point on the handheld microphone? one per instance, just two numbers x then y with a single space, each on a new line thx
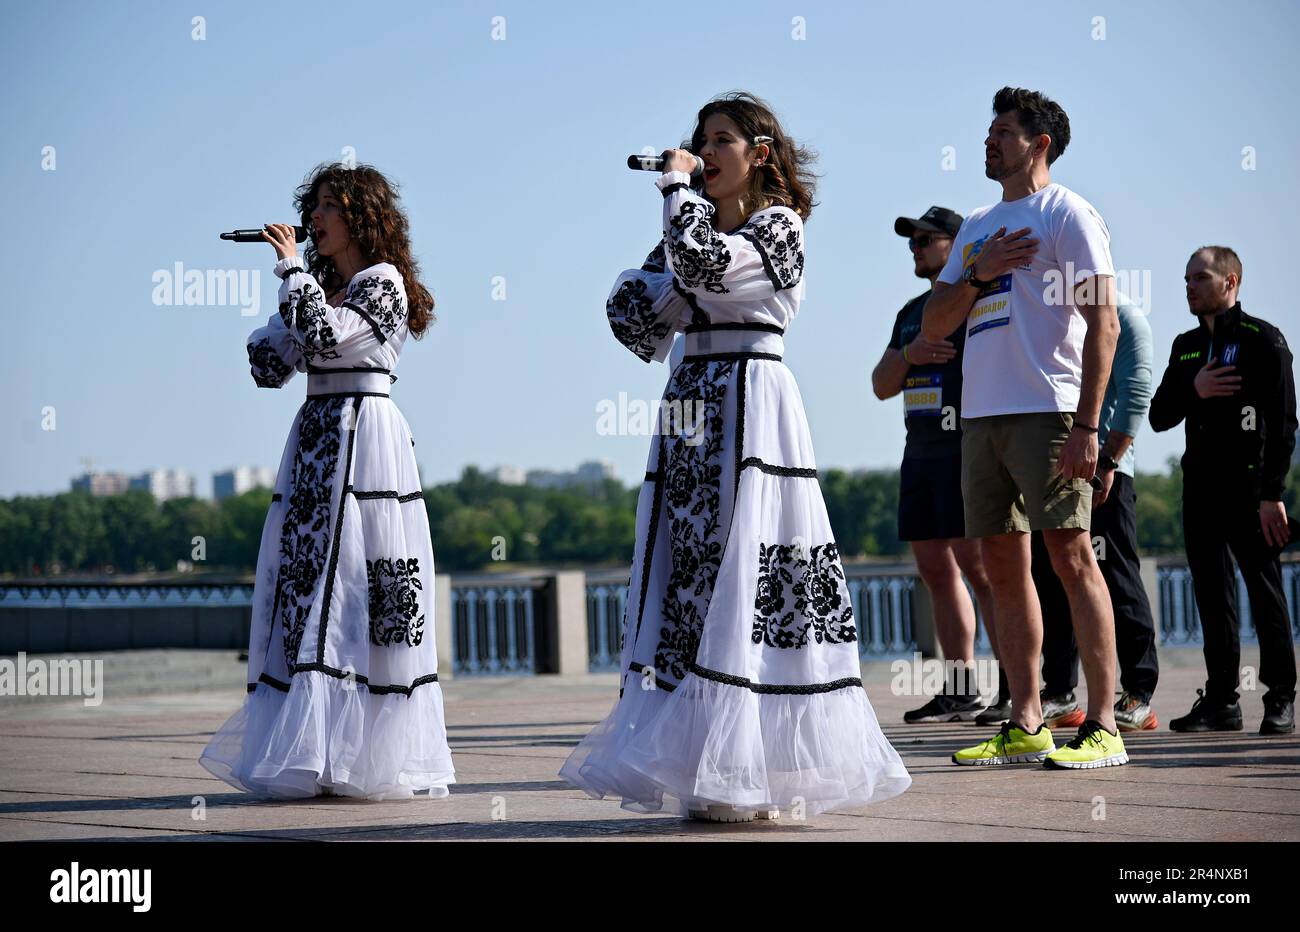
255 236
655 163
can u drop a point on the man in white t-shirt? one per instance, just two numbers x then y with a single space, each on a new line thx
1032 278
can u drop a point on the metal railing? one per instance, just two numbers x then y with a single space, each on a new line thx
501 625
882 605
495 625
1180 620
606 605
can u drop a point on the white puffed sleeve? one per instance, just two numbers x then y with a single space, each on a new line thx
645 310
763 257
272 355
373 312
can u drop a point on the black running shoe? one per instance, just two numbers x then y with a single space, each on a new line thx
944 708
996 714
1279 717
1207 715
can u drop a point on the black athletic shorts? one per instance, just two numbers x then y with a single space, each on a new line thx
929 499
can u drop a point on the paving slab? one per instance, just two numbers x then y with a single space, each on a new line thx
128 769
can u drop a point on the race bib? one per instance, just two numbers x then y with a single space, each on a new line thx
923 395
993 304
992 308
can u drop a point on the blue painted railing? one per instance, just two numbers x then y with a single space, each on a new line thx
1180 621
606 603
498 623
495 625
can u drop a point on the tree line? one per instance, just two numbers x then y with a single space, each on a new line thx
476 524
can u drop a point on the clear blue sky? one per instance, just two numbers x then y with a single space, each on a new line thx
510 156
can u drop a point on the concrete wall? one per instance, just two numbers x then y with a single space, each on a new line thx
62 630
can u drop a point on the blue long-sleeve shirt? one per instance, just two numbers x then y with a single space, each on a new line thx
1128 393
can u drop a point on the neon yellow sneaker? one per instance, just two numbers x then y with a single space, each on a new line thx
1093 746
1011 745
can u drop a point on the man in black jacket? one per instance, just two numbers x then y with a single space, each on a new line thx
1230 379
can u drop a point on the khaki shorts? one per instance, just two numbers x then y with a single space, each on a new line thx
1008 478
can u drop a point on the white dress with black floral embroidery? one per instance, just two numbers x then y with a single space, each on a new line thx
741 682
343 694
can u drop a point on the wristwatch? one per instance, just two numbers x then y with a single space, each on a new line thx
1106 463
968 276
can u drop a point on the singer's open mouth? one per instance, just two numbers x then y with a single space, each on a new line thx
711 172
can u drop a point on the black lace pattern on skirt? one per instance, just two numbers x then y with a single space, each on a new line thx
801 595
692 478
305 534
395 587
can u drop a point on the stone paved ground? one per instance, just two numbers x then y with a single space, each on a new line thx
128 770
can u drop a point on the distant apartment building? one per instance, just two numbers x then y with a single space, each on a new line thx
508 475
166 483
162 484
241 479
102 483
592 472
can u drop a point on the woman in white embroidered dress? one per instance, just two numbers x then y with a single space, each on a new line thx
741 690
343 694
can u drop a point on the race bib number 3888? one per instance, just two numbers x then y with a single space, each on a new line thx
923 395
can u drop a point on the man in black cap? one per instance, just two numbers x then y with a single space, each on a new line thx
1230 379
930 512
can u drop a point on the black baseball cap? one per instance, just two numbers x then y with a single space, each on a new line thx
935 220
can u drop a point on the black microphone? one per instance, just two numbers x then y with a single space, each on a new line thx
255 236
655 163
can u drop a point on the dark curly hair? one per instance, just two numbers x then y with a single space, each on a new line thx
784 177
375 220
1038 114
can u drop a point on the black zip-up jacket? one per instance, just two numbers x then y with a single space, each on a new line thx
1222 452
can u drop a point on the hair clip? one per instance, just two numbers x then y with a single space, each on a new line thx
762 139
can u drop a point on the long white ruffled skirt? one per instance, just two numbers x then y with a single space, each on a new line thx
741 679
343 695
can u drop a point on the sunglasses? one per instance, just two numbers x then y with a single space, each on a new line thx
925 239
